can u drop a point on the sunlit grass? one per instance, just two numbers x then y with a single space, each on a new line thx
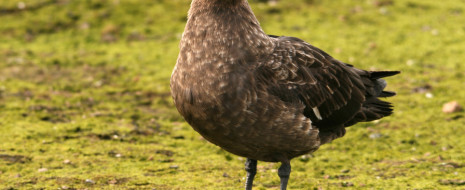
85 103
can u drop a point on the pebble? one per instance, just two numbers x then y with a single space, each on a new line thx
375 135
452 107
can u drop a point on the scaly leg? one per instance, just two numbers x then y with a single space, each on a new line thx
284 172
251 168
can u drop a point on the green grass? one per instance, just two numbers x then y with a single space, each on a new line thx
85 103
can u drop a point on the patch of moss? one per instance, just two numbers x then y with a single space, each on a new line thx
84 96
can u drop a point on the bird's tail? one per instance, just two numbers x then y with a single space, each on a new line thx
373 108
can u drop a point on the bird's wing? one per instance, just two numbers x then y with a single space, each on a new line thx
298 72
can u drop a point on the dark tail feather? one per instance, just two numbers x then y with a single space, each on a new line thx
373 108
380 84
382 74
385 94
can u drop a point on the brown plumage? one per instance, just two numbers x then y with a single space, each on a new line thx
265 97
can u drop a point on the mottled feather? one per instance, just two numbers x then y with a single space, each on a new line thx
266 97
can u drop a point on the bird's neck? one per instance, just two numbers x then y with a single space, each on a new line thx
226 27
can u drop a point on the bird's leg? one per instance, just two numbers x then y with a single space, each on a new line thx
251 168
284 172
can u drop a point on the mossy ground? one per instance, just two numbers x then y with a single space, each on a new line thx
85 103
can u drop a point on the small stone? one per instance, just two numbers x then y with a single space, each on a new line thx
272 3
21 5
429 95
174 167
64 187
410 62
67 161
225 175
375 135
452 107
89 181
305 158
42 170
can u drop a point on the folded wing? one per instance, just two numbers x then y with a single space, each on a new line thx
335 94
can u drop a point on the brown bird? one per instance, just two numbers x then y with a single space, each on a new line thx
264 97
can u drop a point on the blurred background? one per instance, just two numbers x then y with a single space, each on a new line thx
85 101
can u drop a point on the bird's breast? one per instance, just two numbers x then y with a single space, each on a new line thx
207 91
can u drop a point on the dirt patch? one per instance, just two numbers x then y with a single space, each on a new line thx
168 153
12 159
456 182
